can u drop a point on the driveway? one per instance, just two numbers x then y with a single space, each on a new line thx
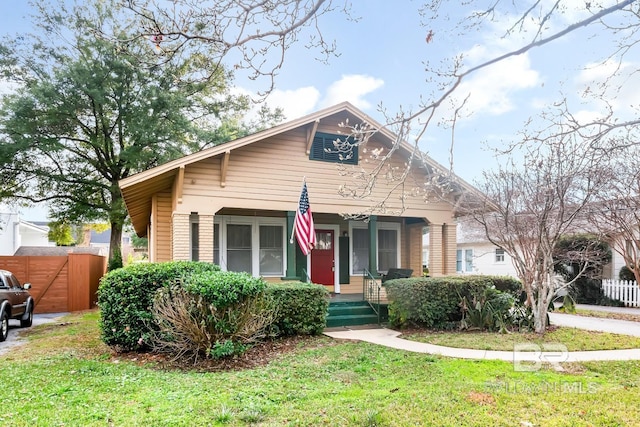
14 329
624 327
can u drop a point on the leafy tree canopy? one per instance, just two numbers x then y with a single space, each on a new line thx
88 111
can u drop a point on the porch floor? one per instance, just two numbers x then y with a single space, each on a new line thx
346 297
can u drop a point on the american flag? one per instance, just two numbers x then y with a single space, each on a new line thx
303 224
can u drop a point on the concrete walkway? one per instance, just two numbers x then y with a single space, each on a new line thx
527 353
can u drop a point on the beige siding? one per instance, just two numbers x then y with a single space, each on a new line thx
268 175
162 226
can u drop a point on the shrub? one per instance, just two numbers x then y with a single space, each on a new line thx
508 284
488 310
301 307
125 298
213 314
625 273
431 301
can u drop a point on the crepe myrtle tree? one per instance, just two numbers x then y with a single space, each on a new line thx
446 98
531 202
87 112
616 212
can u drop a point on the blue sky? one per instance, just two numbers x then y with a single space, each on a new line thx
382 60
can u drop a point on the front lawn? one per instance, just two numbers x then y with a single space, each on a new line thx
573 339
64 376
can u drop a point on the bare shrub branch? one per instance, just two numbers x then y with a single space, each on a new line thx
189 327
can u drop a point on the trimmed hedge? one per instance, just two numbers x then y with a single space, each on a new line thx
301 308
433 302
224 288
125 298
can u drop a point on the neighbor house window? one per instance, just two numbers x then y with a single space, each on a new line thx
239 247
324 149
459 260
271 250
468 260
499 255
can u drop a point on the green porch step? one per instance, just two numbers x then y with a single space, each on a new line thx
351 313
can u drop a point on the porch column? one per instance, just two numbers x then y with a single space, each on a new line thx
180 236
373 245
449 246
442 249
290 274
436 250
414 249
205 234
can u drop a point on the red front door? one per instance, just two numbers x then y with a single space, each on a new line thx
322 259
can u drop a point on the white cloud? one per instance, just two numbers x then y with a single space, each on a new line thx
298 102
295 103
614 83
352 88
493 89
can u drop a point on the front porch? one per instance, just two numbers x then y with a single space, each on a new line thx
259 242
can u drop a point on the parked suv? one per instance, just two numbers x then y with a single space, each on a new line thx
15 303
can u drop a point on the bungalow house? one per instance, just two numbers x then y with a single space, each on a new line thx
235 204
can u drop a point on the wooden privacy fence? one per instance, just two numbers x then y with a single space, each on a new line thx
622 290
59 283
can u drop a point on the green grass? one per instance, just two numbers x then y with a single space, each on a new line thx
607 315
65 377
573 339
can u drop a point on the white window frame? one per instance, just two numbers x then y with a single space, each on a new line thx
468 268
255 223
380 226
496 256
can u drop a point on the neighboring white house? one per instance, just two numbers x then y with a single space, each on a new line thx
15 233
476 255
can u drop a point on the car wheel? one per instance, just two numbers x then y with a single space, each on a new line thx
27 319
4 326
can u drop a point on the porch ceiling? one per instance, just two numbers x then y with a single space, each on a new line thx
137 198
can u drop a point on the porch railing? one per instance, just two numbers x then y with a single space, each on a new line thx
371 287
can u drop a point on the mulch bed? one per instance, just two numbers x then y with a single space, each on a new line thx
260 354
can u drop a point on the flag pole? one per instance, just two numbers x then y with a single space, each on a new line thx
293 230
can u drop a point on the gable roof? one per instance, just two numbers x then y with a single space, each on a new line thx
138 189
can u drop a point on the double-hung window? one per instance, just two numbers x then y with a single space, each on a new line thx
387 244
255 245
239 250
464 260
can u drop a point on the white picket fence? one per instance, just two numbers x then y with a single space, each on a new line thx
622 290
